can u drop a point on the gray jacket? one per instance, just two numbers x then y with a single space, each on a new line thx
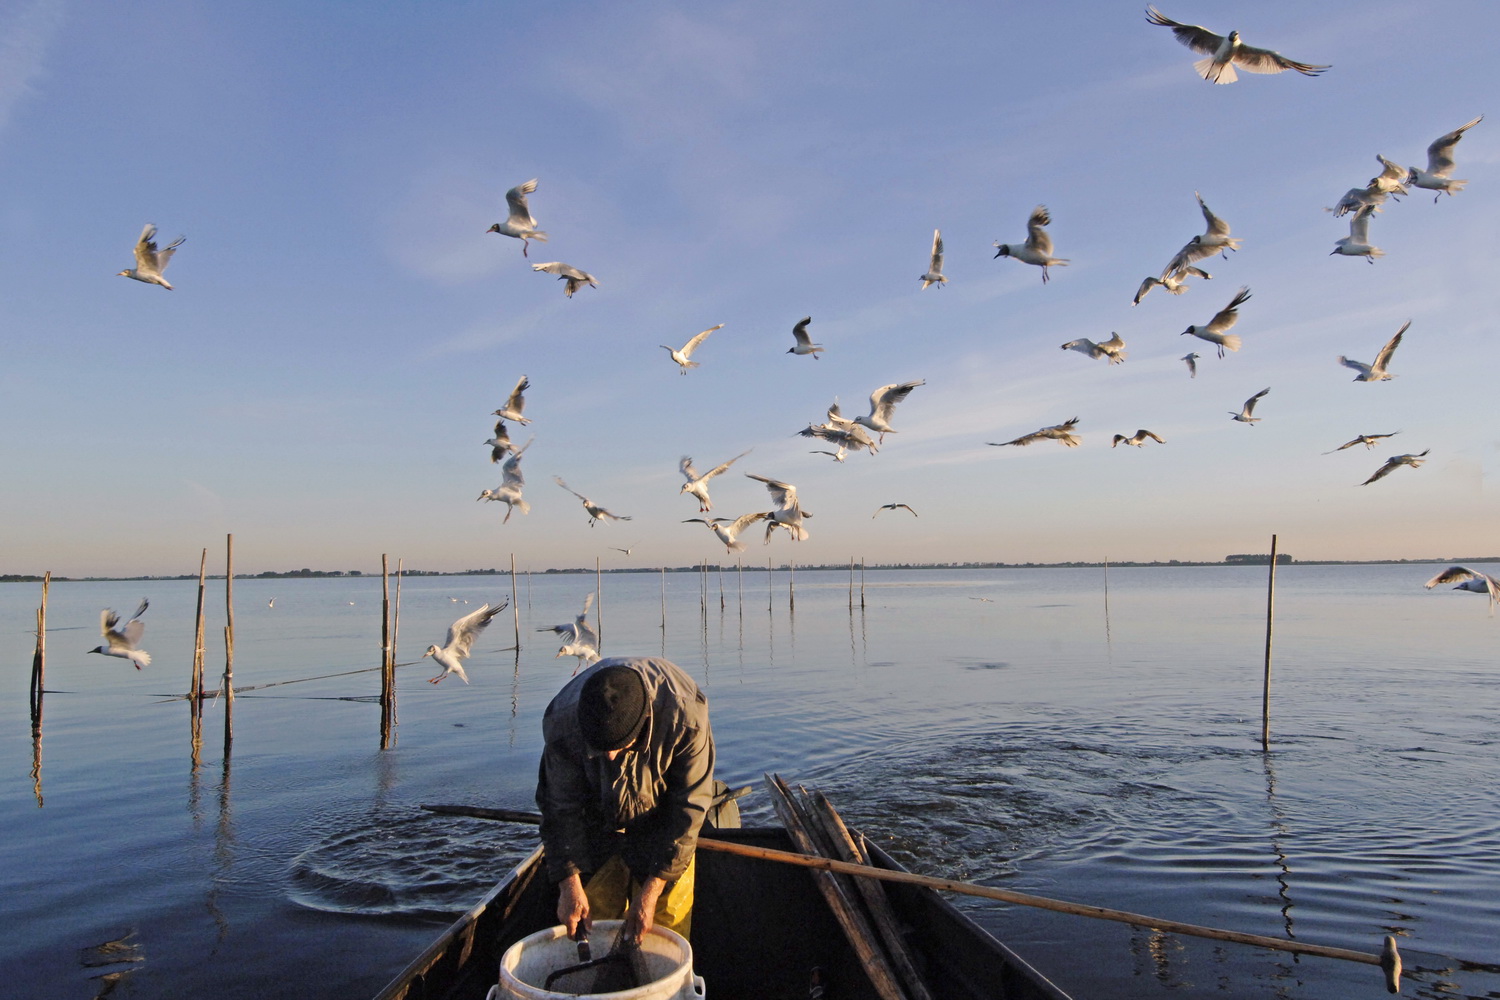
646 805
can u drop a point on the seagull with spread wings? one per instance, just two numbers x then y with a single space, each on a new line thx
1357 243
1175 281
698 485
934 275
1215 331
516 403
883 405
579 638
149 261
1037 249
1243 416
596 512
1057 432
1191 360
1376 372
1368 440
519 223
461 636
1395 462
1138 439
1439 165
1471 580
574 277
1214 239
893 506
788 513
804 344
1113 348
681 356
1225 52
500 443
124 640
1384 185
728 531
511 484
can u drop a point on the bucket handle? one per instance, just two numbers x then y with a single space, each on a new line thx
698 987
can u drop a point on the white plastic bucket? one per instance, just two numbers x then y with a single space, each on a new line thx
526 964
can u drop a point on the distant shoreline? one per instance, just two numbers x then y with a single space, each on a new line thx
305 574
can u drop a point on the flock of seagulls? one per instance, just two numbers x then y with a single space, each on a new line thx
1223 56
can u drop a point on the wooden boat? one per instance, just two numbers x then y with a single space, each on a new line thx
759 931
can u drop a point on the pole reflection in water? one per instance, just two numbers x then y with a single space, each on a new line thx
120 951
1278 832
223 840
36 749
515 697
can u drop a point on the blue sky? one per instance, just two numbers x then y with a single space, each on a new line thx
321 379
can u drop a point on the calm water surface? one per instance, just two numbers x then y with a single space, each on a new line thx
1006 726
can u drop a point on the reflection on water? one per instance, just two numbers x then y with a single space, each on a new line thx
120 951
1002 738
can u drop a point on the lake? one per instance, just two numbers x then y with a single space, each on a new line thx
1065 732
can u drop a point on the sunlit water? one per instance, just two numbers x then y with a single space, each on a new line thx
1015 727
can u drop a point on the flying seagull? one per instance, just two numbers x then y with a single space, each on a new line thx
500 443
1376 372
575 278
509 490
1389 182
520 224
1435 178
1214 330
1138 439
1471 580
934 275
596 512
1175 281
461 635
728 531
1214 239
516 403
838 456
804 343
1395 462
788 513
682 356
1357 243
1368 440
883 404
1226 52
698 485
578 636
1244 416
1058 432
124 641
893 506
1113 348
1038 246
1192 364
149 261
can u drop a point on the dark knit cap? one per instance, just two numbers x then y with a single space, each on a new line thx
612 708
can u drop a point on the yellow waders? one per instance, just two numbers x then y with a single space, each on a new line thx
611 888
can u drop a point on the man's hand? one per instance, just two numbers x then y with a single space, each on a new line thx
573 906
642 913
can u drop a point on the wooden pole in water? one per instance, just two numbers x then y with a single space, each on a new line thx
664 598
39 658
195 683
851 584
861 583
396 636
770 590
599 603
514 607
229 620
721 587
791 584
1265 700
739 570
385 651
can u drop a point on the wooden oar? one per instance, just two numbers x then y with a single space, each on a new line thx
1388 960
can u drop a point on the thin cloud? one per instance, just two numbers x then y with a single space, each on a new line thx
24 40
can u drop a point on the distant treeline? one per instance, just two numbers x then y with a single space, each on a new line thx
1250 559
